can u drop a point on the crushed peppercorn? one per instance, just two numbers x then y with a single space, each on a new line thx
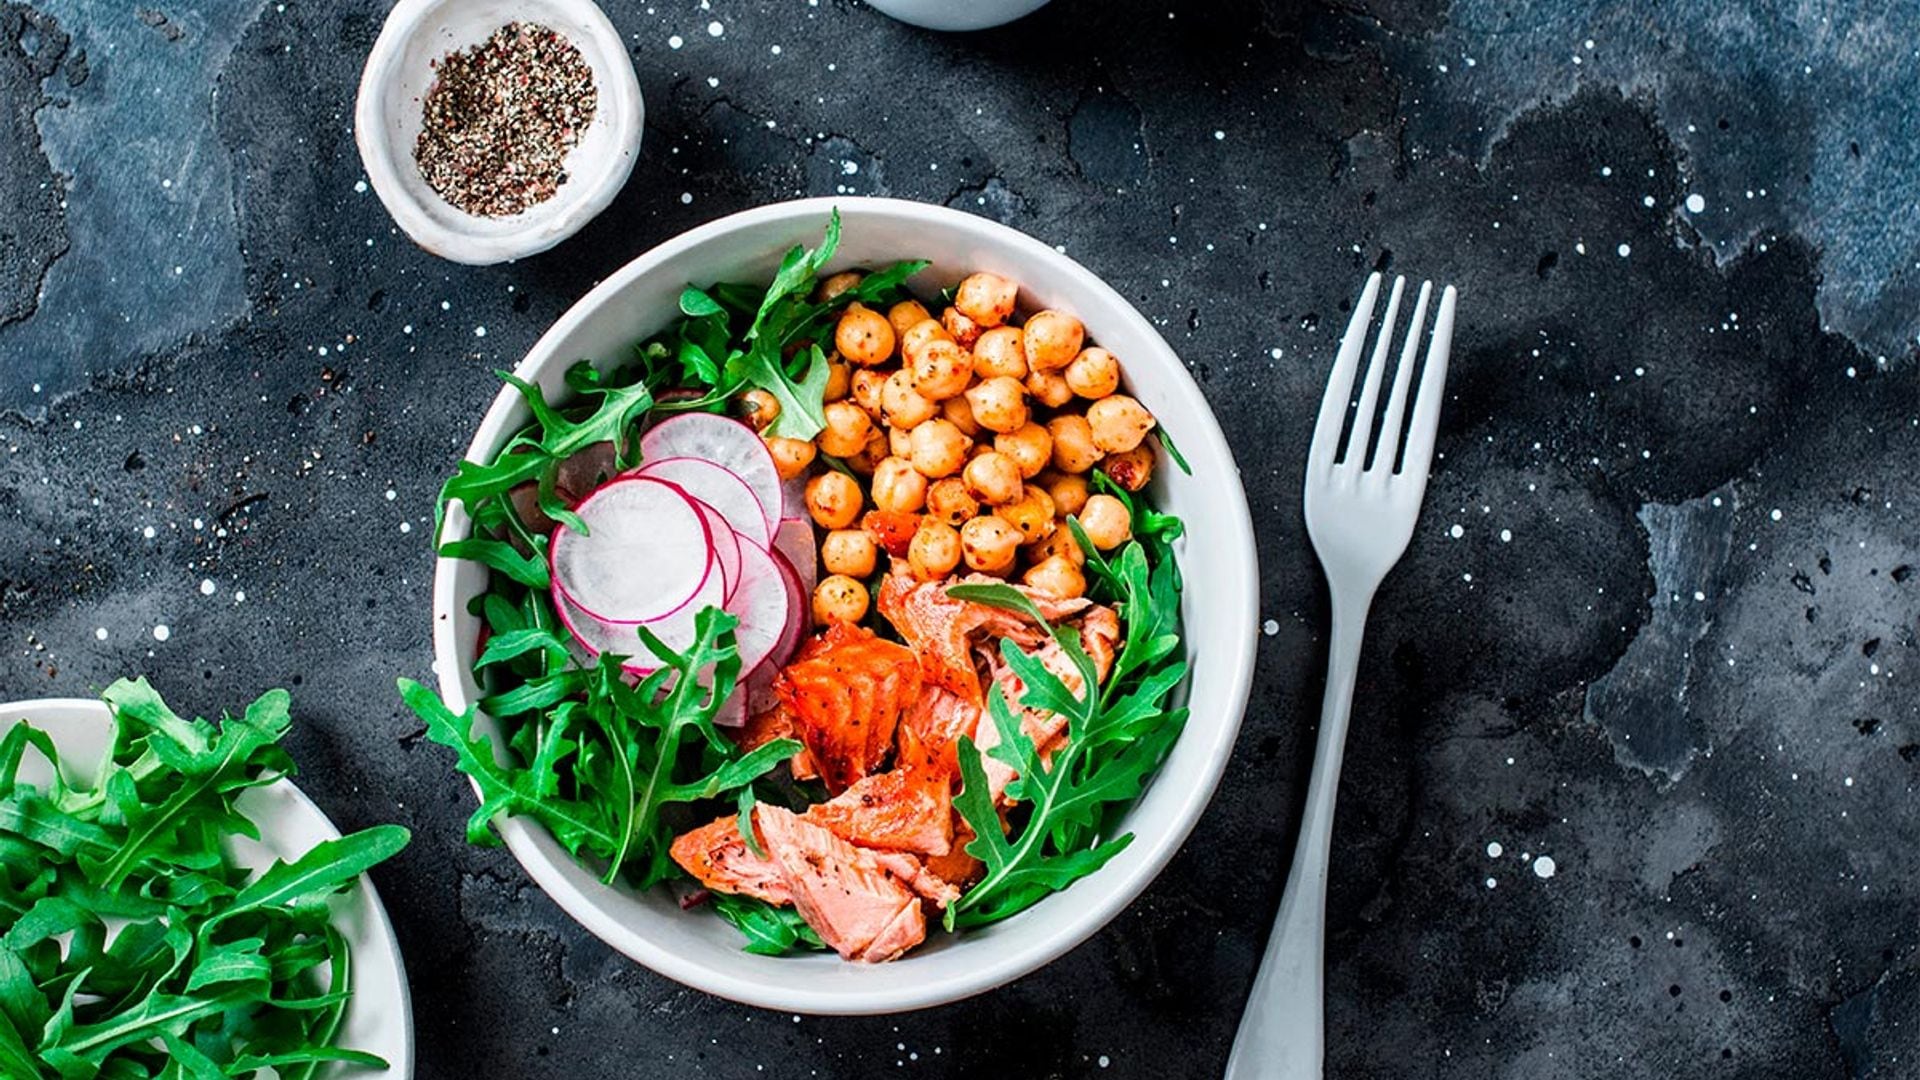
501 116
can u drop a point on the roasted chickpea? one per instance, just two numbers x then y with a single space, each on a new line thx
998 352
993 478
898 487
934 552
999 404
758 408
1061 545
959 411
1073 449
904 406
986 298
1057 577
850 552
847 431
866 384
989 544
1052 339
1031 513
839 598
899 441
863 336
1119 423
839 380
1106 522
939 449
1094 373
833 500
870 455
1030 448
950 502
964 330
1048 388
905 315
1069 493
790 456
831 287
919 335
1131 469
941 369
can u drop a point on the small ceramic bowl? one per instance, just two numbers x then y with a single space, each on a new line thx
388 116
947 15
1219 605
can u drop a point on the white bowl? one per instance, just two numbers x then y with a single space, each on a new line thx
1219 607
387 120
379 1018
947 15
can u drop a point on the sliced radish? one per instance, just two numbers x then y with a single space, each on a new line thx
647 553
794 539
718 487
793 494
758 683
726 547
763 603
729 444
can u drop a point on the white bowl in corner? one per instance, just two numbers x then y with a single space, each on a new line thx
1219 605
968 15
388 116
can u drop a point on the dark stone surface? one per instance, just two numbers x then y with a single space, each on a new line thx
1653 400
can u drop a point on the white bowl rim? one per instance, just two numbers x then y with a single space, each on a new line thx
399 1066
1203 438
544 224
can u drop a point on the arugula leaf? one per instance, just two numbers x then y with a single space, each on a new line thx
770 931
211 973
1117 735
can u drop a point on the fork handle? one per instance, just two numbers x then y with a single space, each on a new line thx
1282 1034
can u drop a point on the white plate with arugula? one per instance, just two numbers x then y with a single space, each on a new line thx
146 934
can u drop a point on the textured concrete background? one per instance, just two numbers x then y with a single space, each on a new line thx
1656 625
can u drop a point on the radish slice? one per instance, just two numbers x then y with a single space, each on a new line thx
764 605
793 494
718 487
794 539
759 695
647 553
726 548
729 444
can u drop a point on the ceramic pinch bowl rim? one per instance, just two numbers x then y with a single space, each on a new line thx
1219 607
379 1016
388 110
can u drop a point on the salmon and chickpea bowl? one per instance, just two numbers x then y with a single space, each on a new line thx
840 610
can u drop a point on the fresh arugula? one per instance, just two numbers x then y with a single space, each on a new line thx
601 761
1118 733
769 930
210 971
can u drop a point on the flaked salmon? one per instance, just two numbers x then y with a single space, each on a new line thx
718 857
775 723
854 903
844 697
907 808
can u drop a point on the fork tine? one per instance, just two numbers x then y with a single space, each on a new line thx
1333 404
1390 422
1433 387
1356 454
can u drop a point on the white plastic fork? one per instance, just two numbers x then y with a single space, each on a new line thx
1360 513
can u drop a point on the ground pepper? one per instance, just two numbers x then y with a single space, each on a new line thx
500 118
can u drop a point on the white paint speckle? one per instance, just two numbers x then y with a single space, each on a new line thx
162 632
1219 135
1456 532
1270 627
1696 204
100 633
207 587
686 198
1506 536
1625 250
675 41
360 187
1775 515
1105 1061
147 532
1494 850
716 28
1543 867
1493 883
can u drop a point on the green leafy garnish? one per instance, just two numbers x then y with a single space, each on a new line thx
1118 733
210 971
770 931
607 759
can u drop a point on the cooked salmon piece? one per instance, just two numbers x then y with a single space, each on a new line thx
856 906
906 808
913 873
845 697
956 867
940 629
718 857
1100 637
775 723
891 530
